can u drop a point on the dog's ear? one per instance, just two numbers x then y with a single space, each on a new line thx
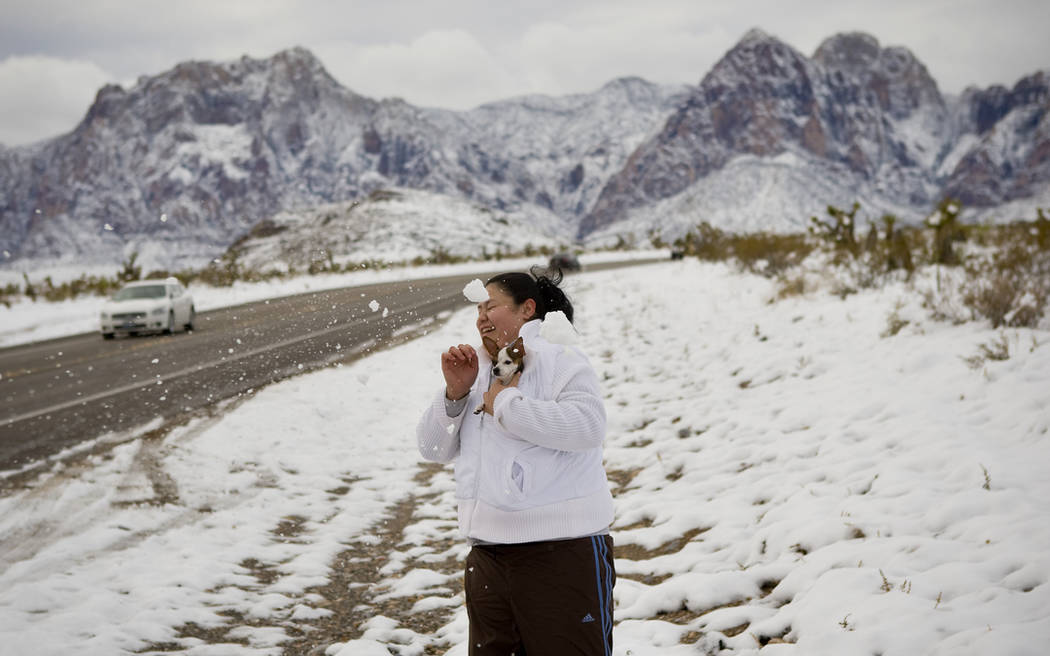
517 349
490 346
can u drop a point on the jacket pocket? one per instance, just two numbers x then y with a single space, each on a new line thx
517 478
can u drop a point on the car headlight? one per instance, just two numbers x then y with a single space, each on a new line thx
158 310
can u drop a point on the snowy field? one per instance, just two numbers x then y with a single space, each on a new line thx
790 479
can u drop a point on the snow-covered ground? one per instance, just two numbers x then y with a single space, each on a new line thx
790 479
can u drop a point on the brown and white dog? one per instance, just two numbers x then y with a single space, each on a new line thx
506 361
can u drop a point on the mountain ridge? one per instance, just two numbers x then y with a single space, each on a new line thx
183 163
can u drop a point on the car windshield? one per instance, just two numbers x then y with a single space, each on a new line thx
142 291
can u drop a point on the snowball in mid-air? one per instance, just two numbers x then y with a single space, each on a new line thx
475 291
374 305
556 329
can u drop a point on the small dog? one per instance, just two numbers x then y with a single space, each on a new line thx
506 361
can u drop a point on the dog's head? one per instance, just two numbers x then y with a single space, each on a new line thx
506 361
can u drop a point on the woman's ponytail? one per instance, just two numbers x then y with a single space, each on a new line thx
554 299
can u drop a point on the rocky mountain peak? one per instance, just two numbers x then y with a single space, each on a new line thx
757 54
893 76
755 35
849 51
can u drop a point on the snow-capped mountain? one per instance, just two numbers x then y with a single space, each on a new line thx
1003 153
771 137
183 164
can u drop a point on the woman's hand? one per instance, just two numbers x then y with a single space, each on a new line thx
460 366
495 388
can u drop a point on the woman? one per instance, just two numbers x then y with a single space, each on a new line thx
533 498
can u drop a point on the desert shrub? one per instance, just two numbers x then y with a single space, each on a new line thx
895 322
944 301
79 286
656 239
29 289
996 350
442 255
791 285
898 251
1006 300
893 251
766 253
1041 228
130 271
9 291
769 254
839 230
708 243
946 231
1011 287
1005 280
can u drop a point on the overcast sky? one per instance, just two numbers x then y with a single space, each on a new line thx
55 54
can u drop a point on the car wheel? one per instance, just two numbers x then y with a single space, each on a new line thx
107 335
171 323
193 315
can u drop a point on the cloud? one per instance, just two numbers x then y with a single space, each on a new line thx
461 53
44 96
460 69
562 58
446 68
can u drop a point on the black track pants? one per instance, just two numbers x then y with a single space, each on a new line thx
541 598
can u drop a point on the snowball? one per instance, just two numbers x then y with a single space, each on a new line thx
556 329
475 291
374 305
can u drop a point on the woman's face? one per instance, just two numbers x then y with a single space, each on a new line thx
499 318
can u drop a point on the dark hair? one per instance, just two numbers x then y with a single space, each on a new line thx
539 285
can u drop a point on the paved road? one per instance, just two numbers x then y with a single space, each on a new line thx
58 394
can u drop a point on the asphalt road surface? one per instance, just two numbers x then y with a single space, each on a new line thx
59 394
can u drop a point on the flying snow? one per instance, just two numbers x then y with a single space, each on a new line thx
475 291
556 329
374 305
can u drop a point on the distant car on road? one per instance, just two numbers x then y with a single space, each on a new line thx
564 262
148 306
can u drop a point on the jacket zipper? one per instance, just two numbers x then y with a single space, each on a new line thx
478 470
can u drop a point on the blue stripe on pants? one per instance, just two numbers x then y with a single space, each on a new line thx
601 566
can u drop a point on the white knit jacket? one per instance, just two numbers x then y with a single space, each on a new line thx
533 469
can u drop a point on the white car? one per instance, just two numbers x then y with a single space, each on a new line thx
148 306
